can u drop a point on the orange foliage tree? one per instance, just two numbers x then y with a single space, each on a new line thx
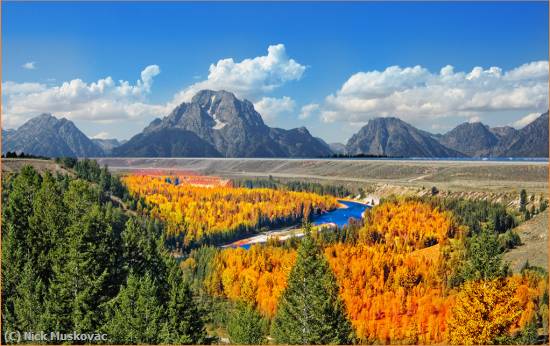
256 276
198 212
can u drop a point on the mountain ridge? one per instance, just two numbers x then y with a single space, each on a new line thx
218 124
233 127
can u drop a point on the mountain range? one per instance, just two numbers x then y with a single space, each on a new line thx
218 124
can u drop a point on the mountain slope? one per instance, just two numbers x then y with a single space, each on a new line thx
338 148
166 143
107 145
394 137
45 135
473 139
530 141
233 128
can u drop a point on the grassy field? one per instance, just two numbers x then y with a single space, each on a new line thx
484 176
534 236
14 165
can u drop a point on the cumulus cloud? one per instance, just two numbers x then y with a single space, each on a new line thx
415 93
526 120
103 100
108 101
270 108
308 110
31 65
249 78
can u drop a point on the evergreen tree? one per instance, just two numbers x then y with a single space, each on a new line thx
484 258
135 315
83 267
246 326
46 225
310 310
16 210
183 322
141 248
28 302
522 200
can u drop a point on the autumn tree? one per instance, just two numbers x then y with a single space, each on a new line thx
310 310
484 310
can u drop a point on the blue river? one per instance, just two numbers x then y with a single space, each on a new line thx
341 216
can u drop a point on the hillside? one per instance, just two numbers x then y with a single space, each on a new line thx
534 236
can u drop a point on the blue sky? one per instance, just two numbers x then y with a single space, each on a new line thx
338 47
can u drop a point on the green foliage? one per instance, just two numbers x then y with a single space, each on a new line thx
509 240
476 214
66 261
182 325
246 326
522 200
483 259
310 310
322 189
134 315
543 206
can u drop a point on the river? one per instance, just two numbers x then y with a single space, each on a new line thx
338 217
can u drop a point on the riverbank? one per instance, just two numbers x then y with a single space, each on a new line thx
336 218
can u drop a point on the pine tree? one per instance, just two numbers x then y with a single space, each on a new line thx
522 200
310 310
246 326
46 225
183 324
484 258
135 314
83 266
28 303
16 210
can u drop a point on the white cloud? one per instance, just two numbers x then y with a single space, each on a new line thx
414 93
104 100
109 101
249 78
270 108
474 119
31 65
102 135
308 110
526 120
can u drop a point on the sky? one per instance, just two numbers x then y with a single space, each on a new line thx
113 67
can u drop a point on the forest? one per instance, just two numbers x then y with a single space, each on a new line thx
197 214
90 251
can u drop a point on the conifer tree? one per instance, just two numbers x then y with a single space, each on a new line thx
245 326
183 322
16 209
484 258
28 302
135 314
310 310
83 266
46 225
